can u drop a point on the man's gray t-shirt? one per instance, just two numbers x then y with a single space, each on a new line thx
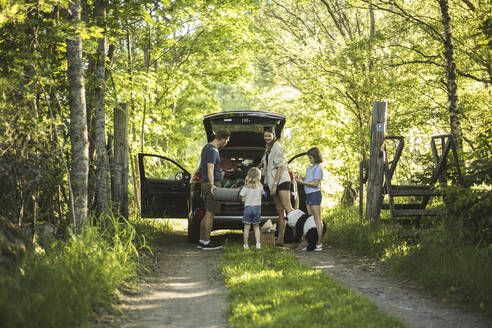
210 154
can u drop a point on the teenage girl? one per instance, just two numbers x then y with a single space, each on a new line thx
312 187
251 195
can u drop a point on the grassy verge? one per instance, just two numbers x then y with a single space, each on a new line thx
435 259
62 285
272 289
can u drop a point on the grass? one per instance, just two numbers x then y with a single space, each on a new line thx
436 260
455 272
270 288
62 285
345 229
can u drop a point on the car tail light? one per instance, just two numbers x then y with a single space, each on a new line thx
197 177
291 175
199 213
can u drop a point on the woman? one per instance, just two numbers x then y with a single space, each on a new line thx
276 176
312 187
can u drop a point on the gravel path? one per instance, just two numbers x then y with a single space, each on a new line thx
186 290
398 298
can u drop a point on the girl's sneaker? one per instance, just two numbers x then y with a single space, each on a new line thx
245 246
258 245
319 248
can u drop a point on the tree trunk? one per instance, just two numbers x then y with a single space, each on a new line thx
376 161
78 120
103 199
120 164
454 114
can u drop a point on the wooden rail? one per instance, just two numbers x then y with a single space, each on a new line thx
418 209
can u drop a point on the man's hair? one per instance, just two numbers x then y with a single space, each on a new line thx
222 134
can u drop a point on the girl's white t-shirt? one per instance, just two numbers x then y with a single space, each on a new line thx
252 197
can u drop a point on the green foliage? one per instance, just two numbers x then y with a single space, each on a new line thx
446 258
448 268
468 217
151 233
346 229
61 287
270 288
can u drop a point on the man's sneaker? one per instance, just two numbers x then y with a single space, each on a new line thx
318 248
210 246
245 246
258 246
200 245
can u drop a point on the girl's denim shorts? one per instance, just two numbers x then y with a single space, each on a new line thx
252 214
314 198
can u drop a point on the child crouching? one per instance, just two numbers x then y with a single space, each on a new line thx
251 196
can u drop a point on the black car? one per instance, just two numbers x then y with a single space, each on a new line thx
170 191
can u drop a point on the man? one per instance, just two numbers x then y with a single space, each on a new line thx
211 180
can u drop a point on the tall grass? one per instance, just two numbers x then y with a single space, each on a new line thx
62 285
454 271
436 259
345 229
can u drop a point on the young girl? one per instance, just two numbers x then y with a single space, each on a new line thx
251 194
312 187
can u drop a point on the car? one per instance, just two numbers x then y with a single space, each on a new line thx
168 190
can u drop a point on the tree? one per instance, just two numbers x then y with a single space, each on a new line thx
103 199
78 119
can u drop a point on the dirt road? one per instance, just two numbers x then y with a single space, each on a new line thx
185 290
398 298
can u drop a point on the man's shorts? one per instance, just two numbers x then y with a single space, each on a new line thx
313 198
210 204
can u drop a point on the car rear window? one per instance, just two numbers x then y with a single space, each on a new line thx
243 124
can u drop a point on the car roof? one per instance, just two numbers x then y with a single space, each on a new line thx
246 127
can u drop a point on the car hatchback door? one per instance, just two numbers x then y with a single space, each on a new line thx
165 187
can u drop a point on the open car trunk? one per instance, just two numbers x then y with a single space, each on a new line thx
235 169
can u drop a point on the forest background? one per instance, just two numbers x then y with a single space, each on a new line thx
66 66
322 63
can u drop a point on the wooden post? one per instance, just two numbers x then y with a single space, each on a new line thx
120 161
376 161
361 189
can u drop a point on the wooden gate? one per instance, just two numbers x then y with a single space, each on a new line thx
418 209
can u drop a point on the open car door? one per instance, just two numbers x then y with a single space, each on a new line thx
165 187
298 164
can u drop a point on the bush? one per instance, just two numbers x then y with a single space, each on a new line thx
468 216
61 286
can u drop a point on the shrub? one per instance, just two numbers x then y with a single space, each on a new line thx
61 286
468 216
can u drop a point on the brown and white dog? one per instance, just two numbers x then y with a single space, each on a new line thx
304 225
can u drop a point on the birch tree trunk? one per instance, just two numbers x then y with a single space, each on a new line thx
454 114
103 199
78 119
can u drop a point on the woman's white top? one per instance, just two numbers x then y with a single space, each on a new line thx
276 160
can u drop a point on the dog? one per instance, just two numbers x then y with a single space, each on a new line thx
304 225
